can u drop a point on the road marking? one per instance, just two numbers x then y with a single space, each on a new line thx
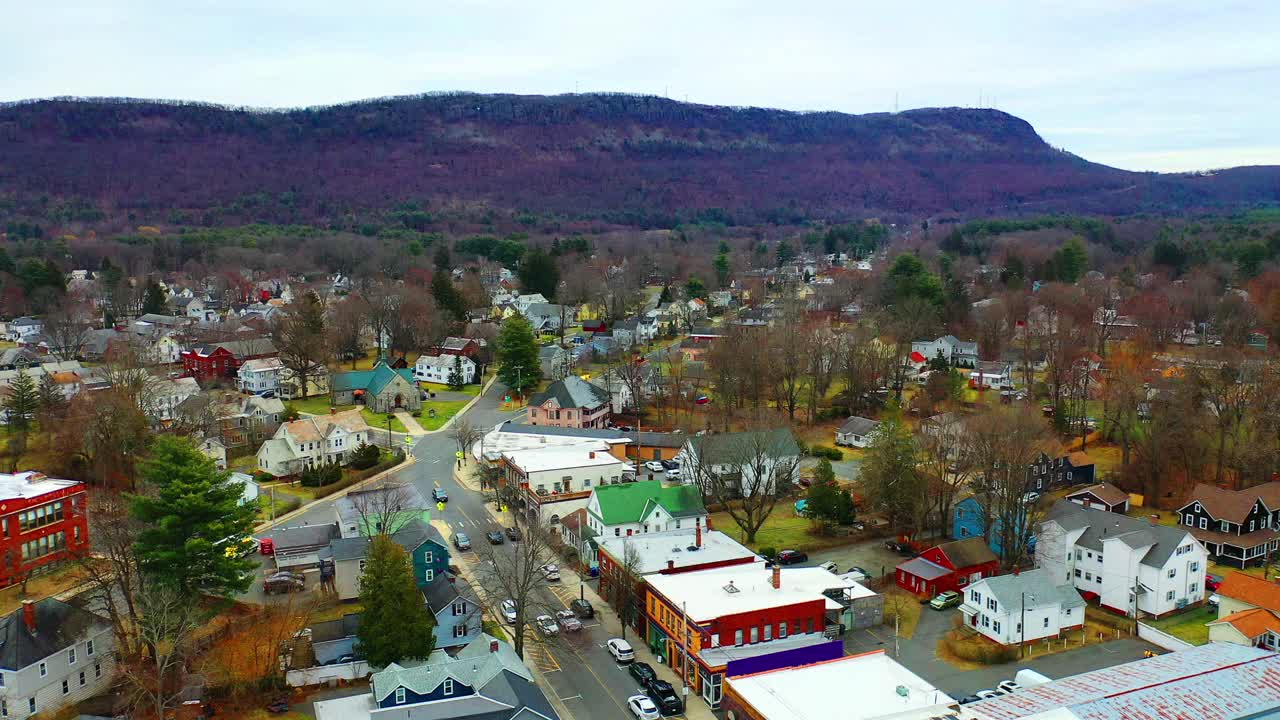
571 697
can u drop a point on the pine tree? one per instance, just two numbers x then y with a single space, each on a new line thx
517 354
447 296
539 274
455 374
21 404
154 301
193 517
395 625
49 397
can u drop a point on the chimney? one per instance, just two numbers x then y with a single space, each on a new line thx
671 564
1154 519
697 535
1017 571
593 455
707 522
333 410
29 616
493 646
777 577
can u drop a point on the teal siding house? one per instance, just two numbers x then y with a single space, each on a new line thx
425 545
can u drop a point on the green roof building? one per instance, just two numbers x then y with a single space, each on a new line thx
382 389
644 507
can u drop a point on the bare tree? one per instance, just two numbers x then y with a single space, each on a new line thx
386 508
301 340
632 373
516 575
465 435
943 459
621 585
1002 443
746 473
67 329
347 328
111 570
166 628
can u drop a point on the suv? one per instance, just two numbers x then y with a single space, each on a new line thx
550 572
643 673
283 582
582 608
546 625
513 533
654 466
440 495
791 557
950 598
461 541
621 650
665 697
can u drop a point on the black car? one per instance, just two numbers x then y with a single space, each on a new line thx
643 673
665 697
582 608
903 549
513 533
439 495
494 537
669 464
791 557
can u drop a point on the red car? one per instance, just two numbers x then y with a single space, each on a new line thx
791 557
1211 583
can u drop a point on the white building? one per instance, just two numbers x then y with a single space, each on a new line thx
53 656
260 375
644 507
313 441
559 480
1113 556
510 436
437 368
1000 607
761 460
165 395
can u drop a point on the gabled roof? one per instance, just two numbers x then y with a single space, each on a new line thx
321 426
858 426
1251 623
444 589
1234 505
1036 586
725 447
1251 590
968 552
1079 459
572 392
410 537
474 666
58 626
632 502
371 381
924 569
1106 492
1100 525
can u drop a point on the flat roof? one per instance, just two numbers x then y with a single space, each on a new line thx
871 685
704 594
29 484
499 441
555 458
656 549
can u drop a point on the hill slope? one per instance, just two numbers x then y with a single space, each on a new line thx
630 159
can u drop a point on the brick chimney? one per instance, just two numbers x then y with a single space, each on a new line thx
697 536
333 410
671 564
1154 519
29 616
708 522
493 646
776 581
1017 571
593 455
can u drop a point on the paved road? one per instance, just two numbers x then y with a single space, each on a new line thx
577 670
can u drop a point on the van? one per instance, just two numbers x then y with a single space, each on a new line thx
1030 678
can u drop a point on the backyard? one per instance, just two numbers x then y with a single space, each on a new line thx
783 530
1188 626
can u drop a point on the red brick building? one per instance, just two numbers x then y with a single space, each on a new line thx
949 566
223 360
43 521
466 347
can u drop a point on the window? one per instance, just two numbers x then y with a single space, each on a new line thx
1193 588
1017 628
986 621
31 705
460 607
1046 622
448 686
460 630
44 669
71 656
399 696
1250 526
1168 595
1189 519
995 626
737 637
586 482
975 596
1088 576
768 633
1078 573
1067 612
97 670
1204 524
1098 578
429 556
362 566
991 603
1173 572
1089 555
40 516
755 635
81 679
429 574
1224 525
963 581
66 687
1078 554
782 630
4 708
809 625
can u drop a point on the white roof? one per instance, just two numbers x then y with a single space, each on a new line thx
555 458
262 364
30 484
705 598
496 441
656 549
445 361
352 707
872 685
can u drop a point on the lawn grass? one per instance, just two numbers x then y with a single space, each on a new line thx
784 530
1188 626
907 608
1106 458
283 504
378 421
496 630
444 411
51 583
471 390
315 405
335 611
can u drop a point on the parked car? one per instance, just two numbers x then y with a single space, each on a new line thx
1031 498
461 541
550 572
670 464
1211 582
509 611
662 694
546 625
1213 600
945 600
830 566
621 650
856 569
278 585
582 608
654 466
513 533
440 495
494 537
986 694
674 472
341 660
278 706
903 549
643 708
1008 687
791 557
643 673
568 621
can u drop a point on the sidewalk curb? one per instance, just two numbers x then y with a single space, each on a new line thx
409 459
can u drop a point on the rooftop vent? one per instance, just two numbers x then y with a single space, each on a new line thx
693 548
731 588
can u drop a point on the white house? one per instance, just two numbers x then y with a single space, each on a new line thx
24 327
165 395
992 373
856 432
313 441
1001 607
644 507
1113 556
559 480
437 368
213 449
54 655
260 375
954 350
760 460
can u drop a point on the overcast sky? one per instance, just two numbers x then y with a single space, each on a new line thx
1143 85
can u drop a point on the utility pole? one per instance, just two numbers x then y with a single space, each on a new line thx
1022 625
684 651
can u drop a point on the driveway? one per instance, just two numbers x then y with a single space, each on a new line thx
870 555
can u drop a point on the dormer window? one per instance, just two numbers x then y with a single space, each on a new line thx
399 696
448 686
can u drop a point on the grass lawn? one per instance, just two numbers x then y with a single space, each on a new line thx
1189 626
444 411
283 505
335 611
907 607
378 421
496 630
471 390
315 405
784 530
46 585
1106 458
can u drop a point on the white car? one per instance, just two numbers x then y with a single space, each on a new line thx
1008 687
674 472
509 611
621 650
654 466
550 572
830 566
643 708
568 621
546 625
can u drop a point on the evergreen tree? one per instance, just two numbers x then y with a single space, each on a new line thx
665 295
785 253
447 296
1071 260
889 475
21 404
49 397
695 288
517 354
395 625
455 374
193 517
722 270
442 259
539 274
154 301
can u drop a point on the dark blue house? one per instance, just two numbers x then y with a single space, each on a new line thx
968 519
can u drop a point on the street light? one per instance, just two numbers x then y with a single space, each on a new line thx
389 418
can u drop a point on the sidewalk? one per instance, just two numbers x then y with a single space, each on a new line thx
410 423
695 707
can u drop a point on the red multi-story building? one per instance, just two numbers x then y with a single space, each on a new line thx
43 521
223 360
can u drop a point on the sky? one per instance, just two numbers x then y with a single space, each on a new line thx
1138 84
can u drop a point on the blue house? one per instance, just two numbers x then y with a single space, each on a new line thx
456 609
968 520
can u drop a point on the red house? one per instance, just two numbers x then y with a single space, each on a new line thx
949 566
223 360
466 347
42 521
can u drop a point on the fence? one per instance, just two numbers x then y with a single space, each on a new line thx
1161 638
322 674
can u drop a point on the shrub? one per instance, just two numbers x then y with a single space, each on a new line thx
262 476
975 648
364 456
321 475
822 451
290 412
768 552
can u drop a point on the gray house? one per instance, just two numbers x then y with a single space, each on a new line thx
553 362
856 432
52 654
457 611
